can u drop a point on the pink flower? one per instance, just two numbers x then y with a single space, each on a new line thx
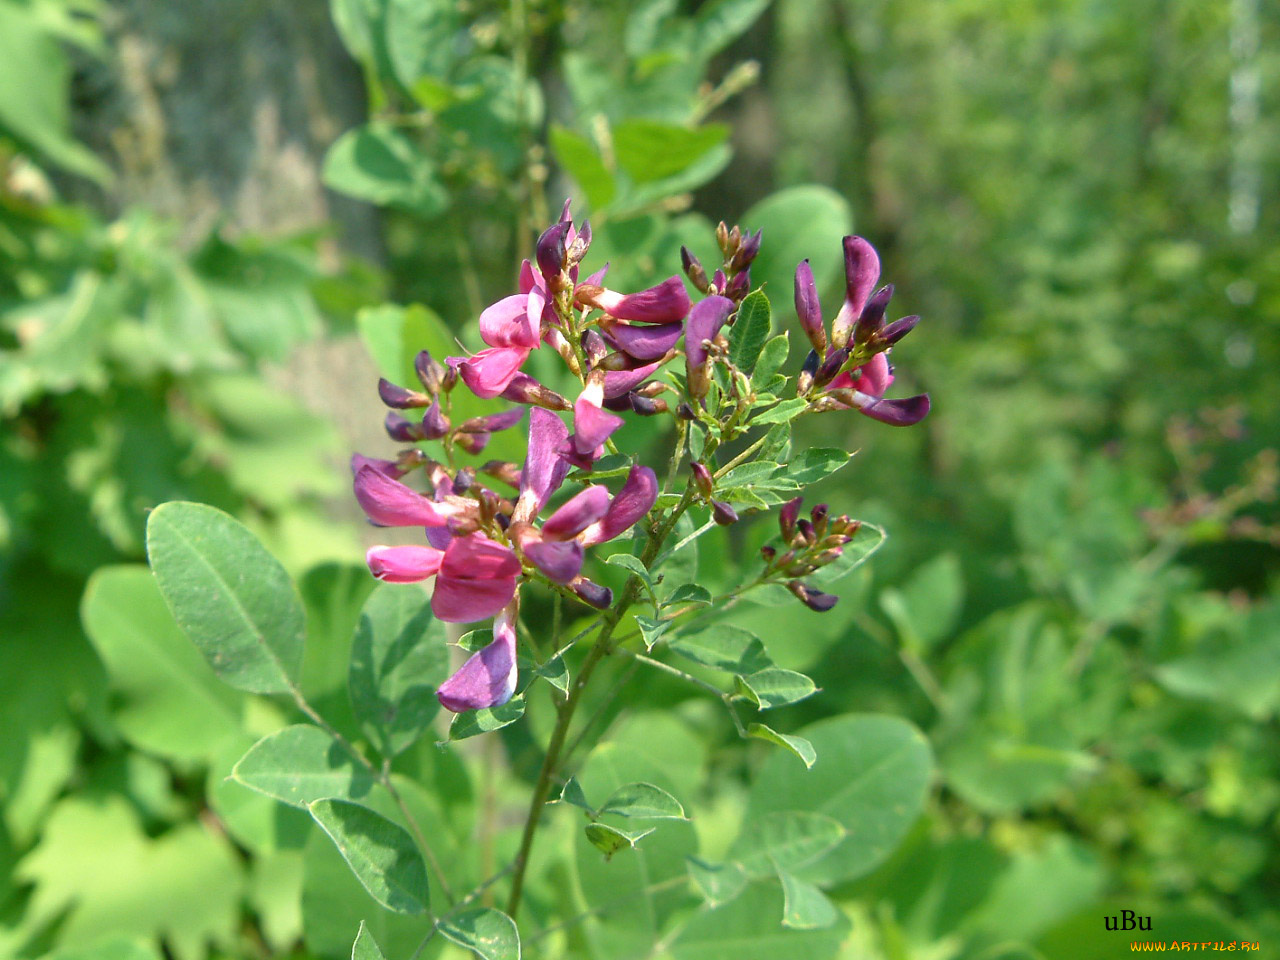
477 578
389 503
665 303
488 678
592 425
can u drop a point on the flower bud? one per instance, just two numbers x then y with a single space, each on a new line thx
551 254
525 389
450 378
702 479
819 517
768 553
722 238
401 430
645 407
719 282
398 397
694 271
434 423
895 331
502 470
735 241
872 318
463 481
472 442
723 513
686 412
815 600
595 348
806 531
592 594
614 361
430 372
739 286
617 404
827 371
578 247
787 518
809 308
804 382
746 252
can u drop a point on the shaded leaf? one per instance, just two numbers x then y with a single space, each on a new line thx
300 764
475 722
801 747
643 801
490 934
380 853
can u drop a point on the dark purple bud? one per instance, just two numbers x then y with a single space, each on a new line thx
806 531
565 215
560 561
434 423
463 481
525 389
723 513
815 600
819 515
645 407
594 347
746 252
739 286
551 253
401 430
895 331
617 404
591 593
787 518
450 378
429 371
808 307
830 367
493 422
472 442
502 470
719 282
398 397
685 412
645 341
503 520
693 269
872 319
804 382
614 362
897 413
579 246
702 479
768 553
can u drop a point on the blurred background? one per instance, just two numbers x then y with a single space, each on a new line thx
221 219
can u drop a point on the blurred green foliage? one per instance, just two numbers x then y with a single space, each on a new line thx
1078 602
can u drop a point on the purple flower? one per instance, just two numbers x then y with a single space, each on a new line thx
665 303
488 678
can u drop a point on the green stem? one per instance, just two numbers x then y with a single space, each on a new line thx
711 688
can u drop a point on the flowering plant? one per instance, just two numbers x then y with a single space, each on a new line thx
499 532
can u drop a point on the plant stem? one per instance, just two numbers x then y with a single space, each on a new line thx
598 652
720 695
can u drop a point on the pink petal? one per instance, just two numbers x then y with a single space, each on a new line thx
403 564
465 601
489 371
390 503
543 470
476 557
634 500
592 426
875 377
488 678
618 383
388 467
645 342
507 324
528 280
578 513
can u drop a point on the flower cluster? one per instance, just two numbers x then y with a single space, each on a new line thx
482 544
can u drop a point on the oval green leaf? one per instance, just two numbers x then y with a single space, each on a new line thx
488 933
380 853
300 764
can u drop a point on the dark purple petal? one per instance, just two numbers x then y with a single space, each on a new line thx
434 423
488 678
398 397
525 389
592 593
634 500
809 308
493 422
895 331
560 560
896 413
664 303
705 321
551 250
618 383
723 513
648 342
862 270
401 430
388 467
787 518
429 371
872 318
543 470
577 513
815 600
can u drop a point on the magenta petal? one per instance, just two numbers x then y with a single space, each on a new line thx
559 560
390 503
476 557
647 342
634 500
664 303
403 564
875 377
897 413
506 323
493 422
592 426
388 467
543 470
488 678
489 372
809 308
705 321
465 601
578 513
527 278
618 383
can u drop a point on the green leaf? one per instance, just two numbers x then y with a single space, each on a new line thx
634 564
776 687
652 631
380 853
488 933
748 927
365 947
643 801
868 539
572 794
786 840
815 464
650 150
555 671
777 443
419 38
804 906
398 659
784 412
750 331
799 222
609 840
688 593
872 775
582 162
167 700
300 764
229 595
475 722
927 607
721 22
772 357
801 747
717 882
727 648
115 948
379 164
